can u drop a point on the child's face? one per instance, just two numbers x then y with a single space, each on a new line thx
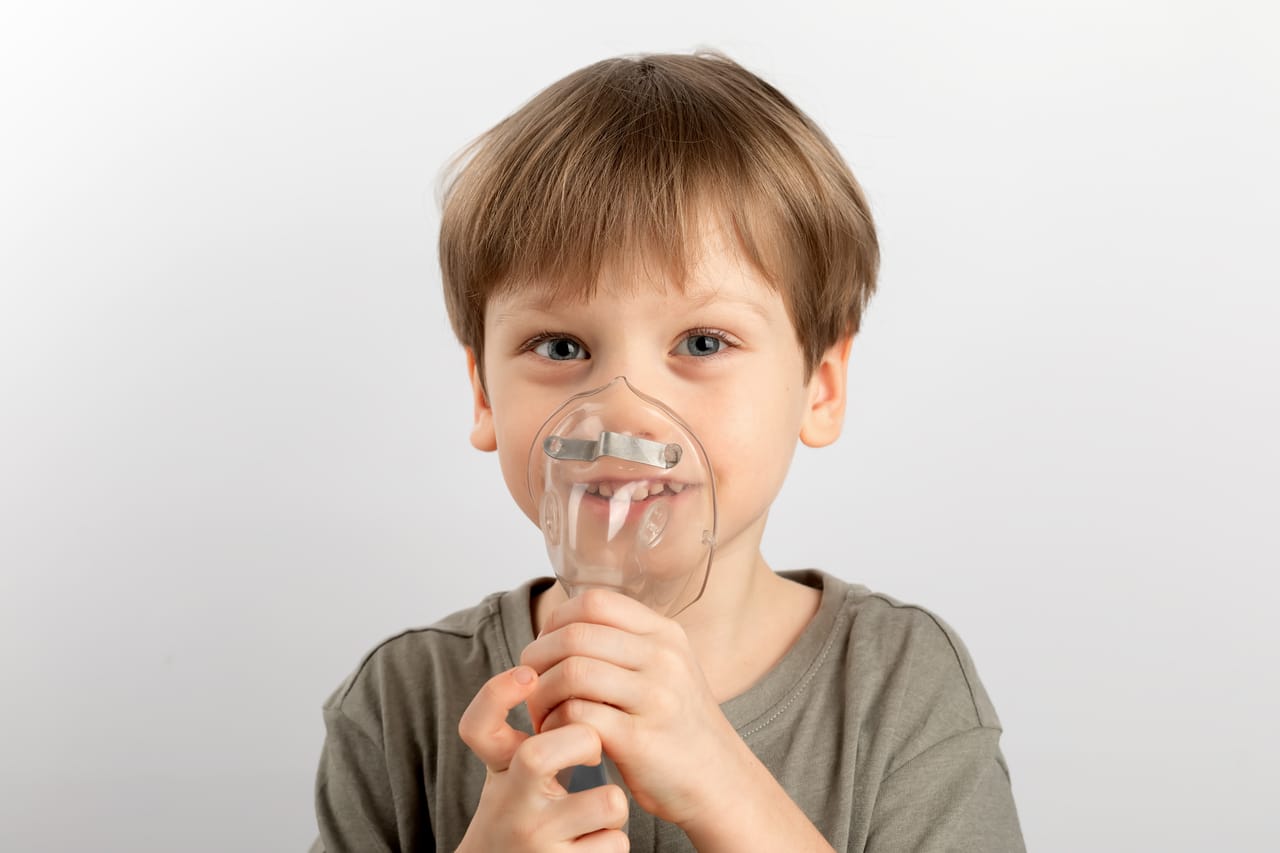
722 354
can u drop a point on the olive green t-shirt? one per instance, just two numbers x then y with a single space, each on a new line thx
874 722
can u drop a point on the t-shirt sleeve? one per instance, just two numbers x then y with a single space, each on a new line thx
355 797
354 803
955 796
947 787
391 732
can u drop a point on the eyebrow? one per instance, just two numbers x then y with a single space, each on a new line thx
697 300
702 298
541 304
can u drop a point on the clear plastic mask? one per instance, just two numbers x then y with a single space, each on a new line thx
626 498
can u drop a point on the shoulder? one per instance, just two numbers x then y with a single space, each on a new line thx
899 740
914 639
442 663
908 665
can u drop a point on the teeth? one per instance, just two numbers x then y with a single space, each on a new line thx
634 490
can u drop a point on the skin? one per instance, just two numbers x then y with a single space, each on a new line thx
606 671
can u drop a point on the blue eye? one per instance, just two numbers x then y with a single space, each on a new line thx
699 344
560 349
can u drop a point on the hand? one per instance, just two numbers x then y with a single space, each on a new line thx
613 664
522 806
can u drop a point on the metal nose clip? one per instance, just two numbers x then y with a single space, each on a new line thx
656 453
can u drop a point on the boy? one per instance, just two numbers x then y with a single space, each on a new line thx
677 221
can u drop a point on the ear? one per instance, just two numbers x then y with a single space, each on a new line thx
824 411
483 436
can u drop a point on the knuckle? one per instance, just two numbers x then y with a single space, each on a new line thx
663 703
577 671
525 833
595 603
577 636
532 756
469 729
592 740
466 731
669 659
574 710
615 803
673 635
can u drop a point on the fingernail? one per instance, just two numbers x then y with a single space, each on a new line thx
524 675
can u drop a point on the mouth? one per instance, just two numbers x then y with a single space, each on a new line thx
635 491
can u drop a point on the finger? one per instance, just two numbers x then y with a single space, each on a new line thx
538 759
588 812
603 642
483 726
604 841
584 678
604 607
614 727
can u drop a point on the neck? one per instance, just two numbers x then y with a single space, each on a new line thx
745 621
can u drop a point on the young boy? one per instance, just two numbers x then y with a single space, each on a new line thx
677 221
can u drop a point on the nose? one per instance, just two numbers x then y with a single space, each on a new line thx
631 361
628 407
620 407
633 355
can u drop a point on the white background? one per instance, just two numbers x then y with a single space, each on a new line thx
233 420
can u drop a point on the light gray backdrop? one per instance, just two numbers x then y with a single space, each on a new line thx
233 421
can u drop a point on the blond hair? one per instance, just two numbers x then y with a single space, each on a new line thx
622 158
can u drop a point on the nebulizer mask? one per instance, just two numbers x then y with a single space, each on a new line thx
625 498
626 501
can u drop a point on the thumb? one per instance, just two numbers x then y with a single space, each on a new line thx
483 726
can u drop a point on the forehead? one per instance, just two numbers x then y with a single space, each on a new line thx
715 272
512 306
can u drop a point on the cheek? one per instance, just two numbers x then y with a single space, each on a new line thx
754 448
517 485
514 440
